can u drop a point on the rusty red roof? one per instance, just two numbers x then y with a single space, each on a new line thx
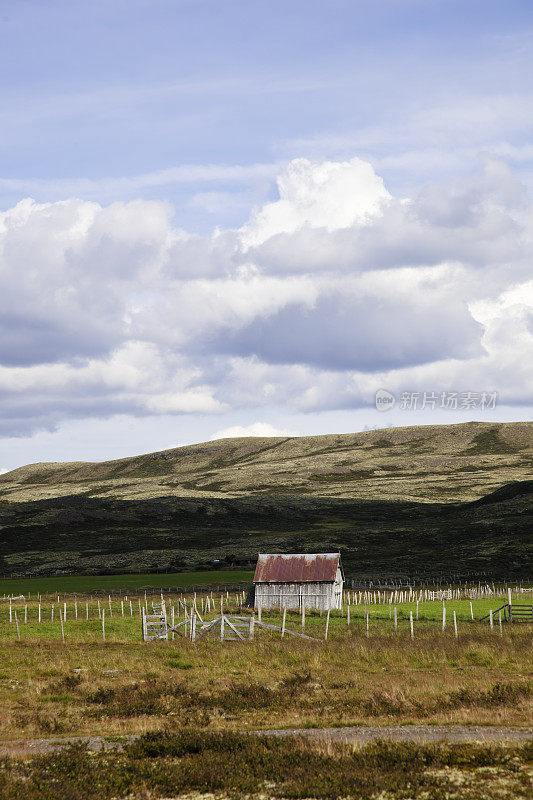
296 567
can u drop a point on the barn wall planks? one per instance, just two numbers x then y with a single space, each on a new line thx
323 596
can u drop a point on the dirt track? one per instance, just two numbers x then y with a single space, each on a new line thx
422 734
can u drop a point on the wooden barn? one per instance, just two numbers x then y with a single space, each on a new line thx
313 580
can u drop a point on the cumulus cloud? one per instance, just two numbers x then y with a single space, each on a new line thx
329 292
255 429
480 222
330 195
398 320
69 271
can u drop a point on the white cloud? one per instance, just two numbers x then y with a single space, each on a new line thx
69 272
184 403
116 310
330 195
369 323
255 429
480 221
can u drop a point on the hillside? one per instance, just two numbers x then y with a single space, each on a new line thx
77 534
426 501
444 463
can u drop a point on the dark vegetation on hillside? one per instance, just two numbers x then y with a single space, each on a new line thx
79 534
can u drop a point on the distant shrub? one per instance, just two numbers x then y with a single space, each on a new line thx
500 694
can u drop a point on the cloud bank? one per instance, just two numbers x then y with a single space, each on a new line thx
335 289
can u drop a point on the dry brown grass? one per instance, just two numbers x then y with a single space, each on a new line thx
476 679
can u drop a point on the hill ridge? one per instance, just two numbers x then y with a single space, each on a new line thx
427 463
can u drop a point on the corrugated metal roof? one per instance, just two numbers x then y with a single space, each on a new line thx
296 567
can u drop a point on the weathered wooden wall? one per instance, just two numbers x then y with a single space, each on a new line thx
320 595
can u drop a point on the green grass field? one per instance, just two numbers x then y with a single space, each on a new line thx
83 622
90 583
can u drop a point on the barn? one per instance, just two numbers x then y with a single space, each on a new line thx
293 581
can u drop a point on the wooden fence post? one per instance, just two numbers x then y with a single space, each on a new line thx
455 624
500 621
327 626
443 616
103 624
283 622
411 625
471 611
367 624
62 628
491 621
17 624
303 616
395 618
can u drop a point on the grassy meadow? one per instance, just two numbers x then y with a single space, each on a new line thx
91 583
374 676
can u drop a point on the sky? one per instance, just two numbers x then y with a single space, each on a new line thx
228 218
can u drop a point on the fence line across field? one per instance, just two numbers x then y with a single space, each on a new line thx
399 594
196 606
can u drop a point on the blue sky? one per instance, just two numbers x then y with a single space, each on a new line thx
177 154
114 89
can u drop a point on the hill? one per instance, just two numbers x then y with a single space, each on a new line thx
426 501
445 463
